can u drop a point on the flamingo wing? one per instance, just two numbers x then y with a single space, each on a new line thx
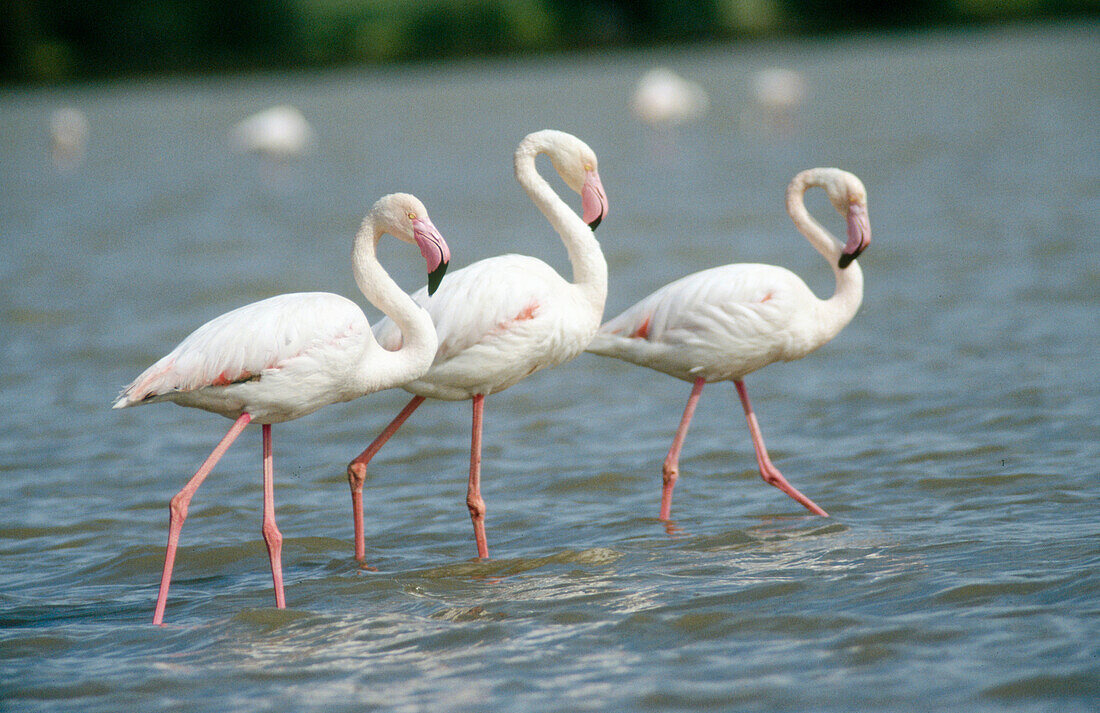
243 344
740 316
742 299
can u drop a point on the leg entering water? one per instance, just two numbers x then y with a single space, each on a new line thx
177 510
671 469
769 472
357 472
272 536
473 491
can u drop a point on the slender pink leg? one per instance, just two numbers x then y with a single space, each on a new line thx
177 510
671 469
769 472
357 472
473 492
272 536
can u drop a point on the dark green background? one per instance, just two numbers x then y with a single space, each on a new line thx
46 41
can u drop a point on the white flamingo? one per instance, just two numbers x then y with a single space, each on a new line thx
502 319
664 98
279 132
68 137
723 323
778 88
777 93
289 355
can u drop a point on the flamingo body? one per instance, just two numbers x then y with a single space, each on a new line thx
718 324
280 131
778 89
664 98
69 131
498 321
277 359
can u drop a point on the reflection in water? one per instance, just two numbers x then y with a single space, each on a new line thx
540 608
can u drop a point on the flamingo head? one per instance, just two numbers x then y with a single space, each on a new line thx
576 163
849 197
405 217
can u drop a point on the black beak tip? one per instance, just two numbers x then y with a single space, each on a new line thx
435 277
846 259
596 223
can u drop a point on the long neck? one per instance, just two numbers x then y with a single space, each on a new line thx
589 265
387 369
835 312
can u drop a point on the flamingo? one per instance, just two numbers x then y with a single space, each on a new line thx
287 356
777 94
726 322
502 319
664 98
778 89
279 132
68 137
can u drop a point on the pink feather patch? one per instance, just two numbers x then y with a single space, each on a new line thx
528 312
225 379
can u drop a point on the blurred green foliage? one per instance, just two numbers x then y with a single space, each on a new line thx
60 40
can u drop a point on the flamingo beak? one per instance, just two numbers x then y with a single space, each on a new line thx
434 249
593 200
859 234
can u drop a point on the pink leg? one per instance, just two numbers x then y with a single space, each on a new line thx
671 469
272 536
473 492
769 472
357 472
177 510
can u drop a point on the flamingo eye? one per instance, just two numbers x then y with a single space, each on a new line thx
587 166
412 216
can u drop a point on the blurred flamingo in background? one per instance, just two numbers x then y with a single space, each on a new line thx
69 130
502 319
279 132
777 93
726 322
664 98
287 356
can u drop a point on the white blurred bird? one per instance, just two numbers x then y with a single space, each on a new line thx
279 132
68 137
664 98
777 94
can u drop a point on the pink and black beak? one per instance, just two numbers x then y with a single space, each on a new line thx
434 249
593 200
859 234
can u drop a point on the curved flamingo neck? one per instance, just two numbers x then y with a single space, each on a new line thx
585 256
839 309
418 338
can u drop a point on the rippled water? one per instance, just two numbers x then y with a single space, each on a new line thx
951 430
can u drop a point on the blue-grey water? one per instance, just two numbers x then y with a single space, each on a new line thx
952 429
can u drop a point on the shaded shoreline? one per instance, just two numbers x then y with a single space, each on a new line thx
43 42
